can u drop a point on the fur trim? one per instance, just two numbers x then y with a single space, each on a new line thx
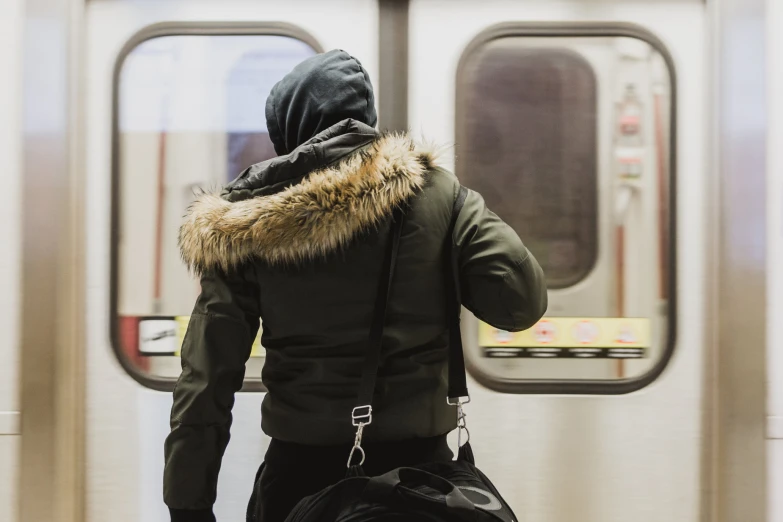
308 220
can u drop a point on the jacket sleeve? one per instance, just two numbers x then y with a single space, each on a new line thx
500 280
216 347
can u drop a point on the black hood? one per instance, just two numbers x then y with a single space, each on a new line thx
318 93
324 149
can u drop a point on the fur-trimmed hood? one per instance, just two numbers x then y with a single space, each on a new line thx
305 216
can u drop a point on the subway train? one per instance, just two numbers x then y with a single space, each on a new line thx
634 145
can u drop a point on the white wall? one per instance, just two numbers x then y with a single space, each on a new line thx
10 171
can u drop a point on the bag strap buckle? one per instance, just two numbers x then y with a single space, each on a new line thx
458 401
361 415
357 446
462 423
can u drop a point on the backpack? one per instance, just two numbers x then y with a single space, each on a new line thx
436 491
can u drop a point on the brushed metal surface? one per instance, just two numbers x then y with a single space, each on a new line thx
50 458
44 211
740 44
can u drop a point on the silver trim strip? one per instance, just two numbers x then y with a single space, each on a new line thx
10 423
740 153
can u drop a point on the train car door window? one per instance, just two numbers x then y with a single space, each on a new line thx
541 104
568 134
189 115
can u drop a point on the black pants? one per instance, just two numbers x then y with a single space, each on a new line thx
291 472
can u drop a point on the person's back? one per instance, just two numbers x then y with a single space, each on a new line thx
299 241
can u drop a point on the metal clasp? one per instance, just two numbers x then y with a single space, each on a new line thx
361 416
458 401
462 423
357 446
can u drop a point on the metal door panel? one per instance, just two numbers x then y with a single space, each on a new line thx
126 423
600 458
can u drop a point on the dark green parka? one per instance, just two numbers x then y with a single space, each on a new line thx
298 241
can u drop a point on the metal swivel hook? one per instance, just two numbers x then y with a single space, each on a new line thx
357 445
462 425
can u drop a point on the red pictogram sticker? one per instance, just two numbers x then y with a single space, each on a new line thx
503 337
586 332
626 335
544 332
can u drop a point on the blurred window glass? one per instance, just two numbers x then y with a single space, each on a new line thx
530 148
568 138
190 117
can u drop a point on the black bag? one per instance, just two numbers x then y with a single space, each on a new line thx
453 491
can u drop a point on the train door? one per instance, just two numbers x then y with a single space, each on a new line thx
564 116
176 94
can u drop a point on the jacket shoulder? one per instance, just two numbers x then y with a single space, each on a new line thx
434 203
442 187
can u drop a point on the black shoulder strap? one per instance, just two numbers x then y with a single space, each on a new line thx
363 411
458 386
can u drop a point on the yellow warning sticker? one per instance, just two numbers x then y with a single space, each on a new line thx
182 327
579 337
